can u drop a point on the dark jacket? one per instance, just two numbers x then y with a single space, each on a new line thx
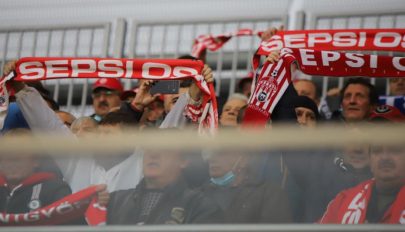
253 202
126 108
178 205
321 175
37 191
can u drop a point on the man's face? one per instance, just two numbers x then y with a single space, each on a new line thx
16 169
230 112
356 103
163 167
170 99
356 156
397 86
104 100
220 164
305 117
306 88
388 163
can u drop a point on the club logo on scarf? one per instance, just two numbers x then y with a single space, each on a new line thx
34 204
268 86
274 73
402 218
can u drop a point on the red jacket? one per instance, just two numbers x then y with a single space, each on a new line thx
350 206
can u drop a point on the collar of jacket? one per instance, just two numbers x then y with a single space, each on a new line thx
172 190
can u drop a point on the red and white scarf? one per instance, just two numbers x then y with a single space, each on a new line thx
274 79
37 69
333 40
74 206
350 206
213 43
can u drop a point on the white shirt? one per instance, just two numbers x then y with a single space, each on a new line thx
79 172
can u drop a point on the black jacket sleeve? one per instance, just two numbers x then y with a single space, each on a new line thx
126 107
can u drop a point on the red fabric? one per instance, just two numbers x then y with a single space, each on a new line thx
213 43
272 82
36 69
33 179
314 62
350 206
109 83
38 177
66 209
340 39
389 113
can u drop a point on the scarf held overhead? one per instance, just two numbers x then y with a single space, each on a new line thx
38 69
274 78
341 39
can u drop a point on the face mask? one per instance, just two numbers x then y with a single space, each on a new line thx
223 180
228 177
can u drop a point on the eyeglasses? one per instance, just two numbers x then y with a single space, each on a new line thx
106 93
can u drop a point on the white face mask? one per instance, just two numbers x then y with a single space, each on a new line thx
228 178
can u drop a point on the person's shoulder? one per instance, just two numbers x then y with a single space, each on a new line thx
55 183
121 194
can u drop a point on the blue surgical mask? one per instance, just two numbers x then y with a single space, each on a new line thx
223 180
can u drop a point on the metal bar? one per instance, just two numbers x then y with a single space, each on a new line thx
220 62
119 41
72 82
106 40
4 59
34 43
61 52
218 228
234 65
20 41
163 42
179 32
48 43
53 27
83 101
251 49
149 41
133 40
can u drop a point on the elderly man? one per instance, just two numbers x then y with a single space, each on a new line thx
359 98
377 200
162 197
242 197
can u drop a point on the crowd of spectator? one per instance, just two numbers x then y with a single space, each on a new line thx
212 186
